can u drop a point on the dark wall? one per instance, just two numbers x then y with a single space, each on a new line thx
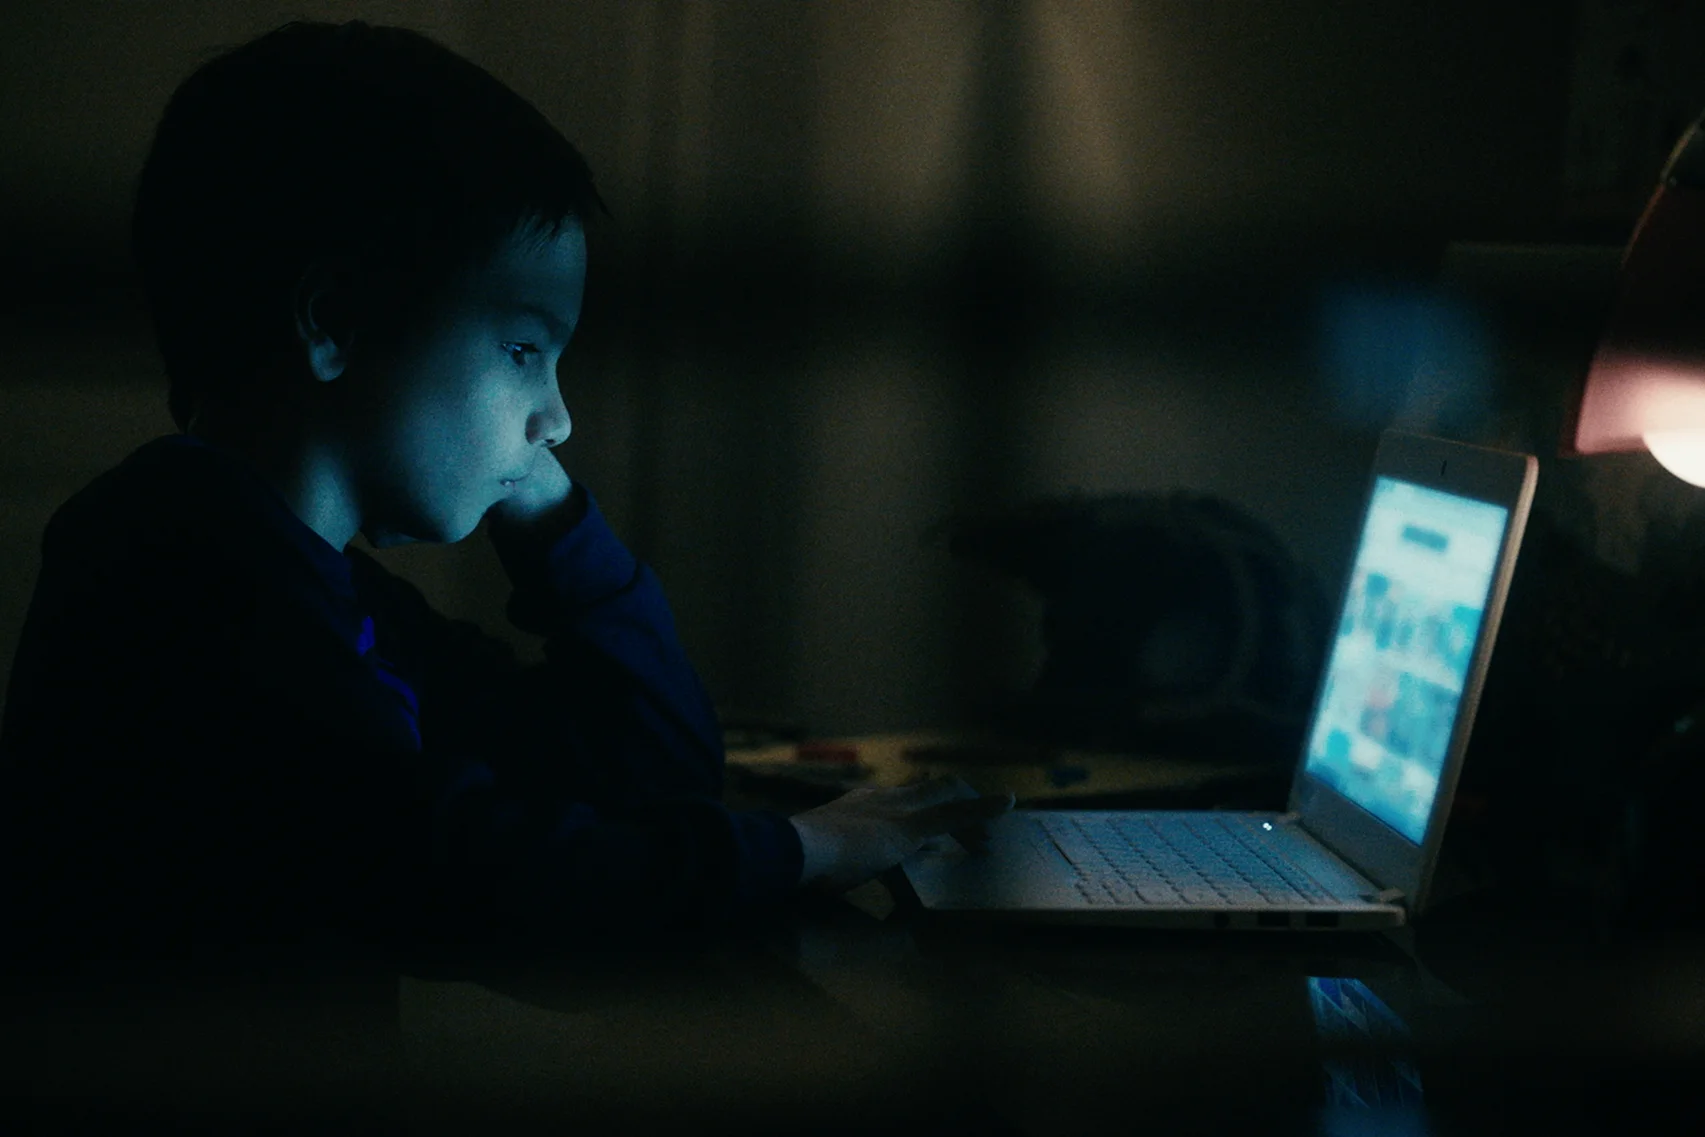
873 265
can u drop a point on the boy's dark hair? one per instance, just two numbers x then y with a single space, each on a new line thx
375 147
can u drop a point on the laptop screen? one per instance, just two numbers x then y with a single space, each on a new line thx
1405 641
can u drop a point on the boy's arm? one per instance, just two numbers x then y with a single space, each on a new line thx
608 626
552 874
189 760
615 716
605 761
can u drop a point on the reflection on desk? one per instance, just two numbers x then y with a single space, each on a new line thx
835 1017
836 1021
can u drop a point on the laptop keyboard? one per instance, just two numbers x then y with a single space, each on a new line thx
1195 859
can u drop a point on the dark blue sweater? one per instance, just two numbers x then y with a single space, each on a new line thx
224 738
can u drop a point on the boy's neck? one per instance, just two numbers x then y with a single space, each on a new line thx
301 469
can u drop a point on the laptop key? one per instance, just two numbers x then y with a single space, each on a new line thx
1201 895
1121 892
1304 885
1196 861
1075 849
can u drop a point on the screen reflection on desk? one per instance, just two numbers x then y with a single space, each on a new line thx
1366 1056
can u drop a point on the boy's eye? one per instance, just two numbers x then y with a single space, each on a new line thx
518 352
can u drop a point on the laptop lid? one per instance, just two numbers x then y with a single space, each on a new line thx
1420 611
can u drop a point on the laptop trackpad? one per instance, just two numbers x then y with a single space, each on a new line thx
1021 869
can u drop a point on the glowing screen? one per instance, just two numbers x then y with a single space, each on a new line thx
1405 640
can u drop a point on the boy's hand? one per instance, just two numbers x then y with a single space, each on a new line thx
863 832
536 498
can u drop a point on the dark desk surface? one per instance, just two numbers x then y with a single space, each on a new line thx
864 1015
830 1019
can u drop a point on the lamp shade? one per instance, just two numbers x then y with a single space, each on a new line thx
1645 389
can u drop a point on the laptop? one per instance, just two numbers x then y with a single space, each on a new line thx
1356 846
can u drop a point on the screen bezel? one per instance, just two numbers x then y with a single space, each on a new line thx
1378 851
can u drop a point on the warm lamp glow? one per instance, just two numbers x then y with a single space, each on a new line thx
1646 385
1681 452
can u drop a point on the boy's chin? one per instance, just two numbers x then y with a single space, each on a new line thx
420 527
382 538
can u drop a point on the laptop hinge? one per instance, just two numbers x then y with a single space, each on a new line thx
1383 896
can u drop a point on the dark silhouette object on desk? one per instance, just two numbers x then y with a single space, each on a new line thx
1173 623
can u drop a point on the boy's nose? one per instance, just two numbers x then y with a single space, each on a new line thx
551 425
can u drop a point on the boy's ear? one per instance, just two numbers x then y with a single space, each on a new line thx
324 325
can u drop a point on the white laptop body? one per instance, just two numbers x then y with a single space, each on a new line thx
1355 849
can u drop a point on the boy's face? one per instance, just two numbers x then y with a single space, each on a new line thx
470 399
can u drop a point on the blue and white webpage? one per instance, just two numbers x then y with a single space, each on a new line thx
1395 678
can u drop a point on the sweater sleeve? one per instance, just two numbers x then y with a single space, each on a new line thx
577 796
608 628
197 759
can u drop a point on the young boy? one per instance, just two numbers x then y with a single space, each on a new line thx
230 737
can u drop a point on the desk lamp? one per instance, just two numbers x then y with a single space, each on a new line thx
1645 389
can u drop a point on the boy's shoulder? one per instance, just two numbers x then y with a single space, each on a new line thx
181 555
174 494
174 480
183 524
